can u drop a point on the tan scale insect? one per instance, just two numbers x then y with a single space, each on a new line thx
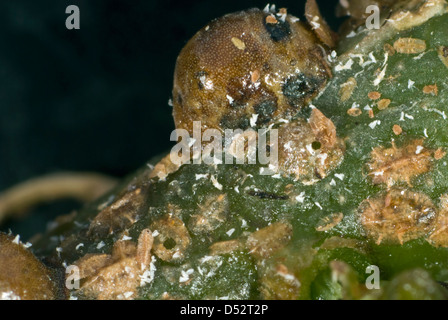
354 112
329 222
431 89
225 247
392 165
397 129
439 154
383 104
397 216
265 242
252 62
410 45
117 275
347 89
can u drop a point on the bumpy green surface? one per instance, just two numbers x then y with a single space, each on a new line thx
408 271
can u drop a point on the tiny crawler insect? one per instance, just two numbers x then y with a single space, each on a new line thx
329 222
347 89
354 112
439 154
383 104
397 129
410 45
431 89
374 95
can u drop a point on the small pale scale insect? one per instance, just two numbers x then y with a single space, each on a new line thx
329 222
410 45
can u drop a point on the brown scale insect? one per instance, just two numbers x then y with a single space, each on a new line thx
431 89
309 150
173 240
397 216
263 62
389 49
410 45
224 247
23 276
120 214
116 275
392 165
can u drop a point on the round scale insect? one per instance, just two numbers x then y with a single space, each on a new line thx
250 69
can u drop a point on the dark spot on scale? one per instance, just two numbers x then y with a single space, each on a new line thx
179 99
445 52
266 67
169 243
268 150
238 92
299 87
278 31
234 121
443 284
265 109
198 76
304 113
316 145
267 195
317 174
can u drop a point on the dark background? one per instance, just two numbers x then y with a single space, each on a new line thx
94 99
